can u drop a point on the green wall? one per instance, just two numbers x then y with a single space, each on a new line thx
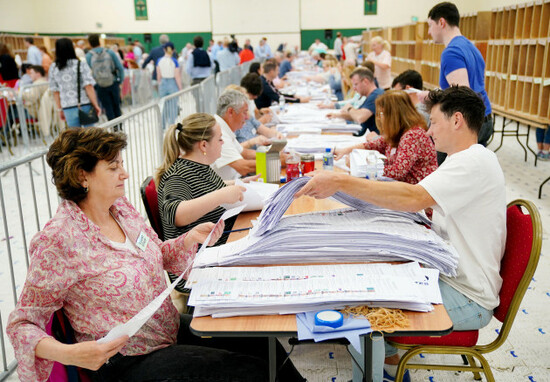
179 39
308 36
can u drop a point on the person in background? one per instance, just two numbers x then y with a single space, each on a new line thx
317 46
63 84
330 75
9 74
253 133
461 62
226 58
381 57
468 197
138 52
169 78
115 48
215 49
156 53
247 53
34 55
32 95
235 161
286 64
199 65
370 66
256 68
79 50
46 59
109 66
270 93
350 50
25 77
100 240
262 51
363 83
411 82
543 143
129 58
338 46
403 140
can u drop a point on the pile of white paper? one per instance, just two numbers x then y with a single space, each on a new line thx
232 291
362 233
255 196
314 143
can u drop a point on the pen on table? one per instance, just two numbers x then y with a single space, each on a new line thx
238 230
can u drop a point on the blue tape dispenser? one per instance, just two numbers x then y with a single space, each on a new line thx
331 318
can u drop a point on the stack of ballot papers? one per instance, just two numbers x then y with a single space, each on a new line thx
329 126
236 291
361 233
314 143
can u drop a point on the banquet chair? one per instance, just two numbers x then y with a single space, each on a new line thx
521 255
149 197
60 328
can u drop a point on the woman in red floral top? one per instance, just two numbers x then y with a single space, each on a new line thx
410 153
98 261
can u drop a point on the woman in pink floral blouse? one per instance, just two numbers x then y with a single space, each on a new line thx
99 262
410 153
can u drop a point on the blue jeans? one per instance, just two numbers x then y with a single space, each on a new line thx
109 97
464 313
543 136
71 115
170 110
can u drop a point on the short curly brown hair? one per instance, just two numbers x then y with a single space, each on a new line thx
80 149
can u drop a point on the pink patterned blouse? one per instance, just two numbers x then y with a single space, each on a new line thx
412 160
99 285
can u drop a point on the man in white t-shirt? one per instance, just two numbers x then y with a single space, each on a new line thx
235 161
468 198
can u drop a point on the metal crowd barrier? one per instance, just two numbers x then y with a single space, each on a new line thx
143 152
209 95
27 201
137 88
28 198
179 105
27 118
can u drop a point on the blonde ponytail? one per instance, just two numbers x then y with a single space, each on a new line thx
170 151
181 137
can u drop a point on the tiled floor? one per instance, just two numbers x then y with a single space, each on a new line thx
525 355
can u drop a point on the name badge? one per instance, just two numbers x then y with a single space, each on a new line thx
142 241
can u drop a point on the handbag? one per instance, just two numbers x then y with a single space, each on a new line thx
85 118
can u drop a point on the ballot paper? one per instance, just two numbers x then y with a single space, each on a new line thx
362 232
255 196
131 326
366 164
231 291
226 215
314 143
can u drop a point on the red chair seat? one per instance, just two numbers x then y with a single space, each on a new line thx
466 338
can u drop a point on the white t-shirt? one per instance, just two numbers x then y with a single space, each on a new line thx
231 151
470 194
382 75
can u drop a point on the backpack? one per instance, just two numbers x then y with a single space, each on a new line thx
103 68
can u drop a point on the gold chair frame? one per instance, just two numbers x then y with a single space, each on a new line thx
470 354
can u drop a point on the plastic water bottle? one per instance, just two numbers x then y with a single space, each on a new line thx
328 160
282 103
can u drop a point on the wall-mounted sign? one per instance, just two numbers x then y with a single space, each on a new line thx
141 9
371 7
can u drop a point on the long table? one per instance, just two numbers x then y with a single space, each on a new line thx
435 323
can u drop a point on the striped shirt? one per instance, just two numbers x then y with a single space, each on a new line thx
187 180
